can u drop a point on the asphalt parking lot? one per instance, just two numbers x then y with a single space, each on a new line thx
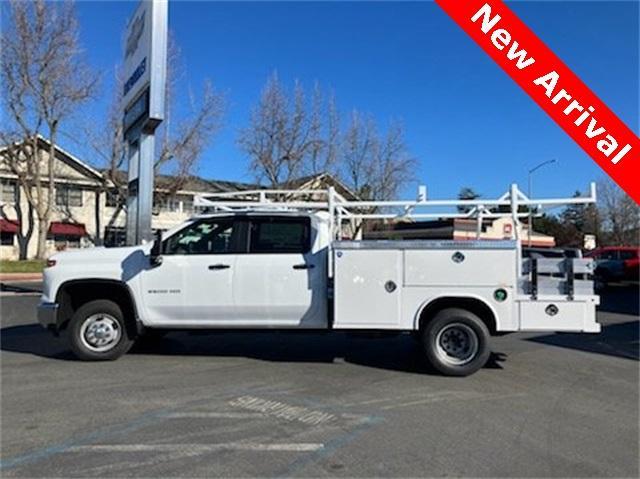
271 404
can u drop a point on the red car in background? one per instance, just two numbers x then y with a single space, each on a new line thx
616 263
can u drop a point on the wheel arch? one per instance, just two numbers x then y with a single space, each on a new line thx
475 304
74 293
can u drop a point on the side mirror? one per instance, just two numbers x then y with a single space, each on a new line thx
155 256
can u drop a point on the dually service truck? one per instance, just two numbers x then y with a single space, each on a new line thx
278 259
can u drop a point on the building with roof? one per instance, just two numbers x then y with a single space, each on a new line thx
459 229
89 210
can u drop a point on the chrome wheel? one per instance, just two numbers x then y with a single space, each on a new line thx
457 344
100 332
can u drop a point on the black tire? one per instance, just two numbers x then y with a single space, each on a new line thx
456 342
91 313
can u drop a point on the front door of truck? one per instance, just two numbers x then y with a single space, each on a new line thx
281 280
194 283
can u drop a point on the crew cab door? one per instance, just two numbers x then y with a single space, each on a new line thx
281 280
194 283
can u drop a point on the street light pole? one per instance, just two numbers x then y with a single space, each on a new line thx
529 193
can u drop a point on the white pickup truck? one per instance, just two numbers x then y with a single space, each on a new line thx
280 264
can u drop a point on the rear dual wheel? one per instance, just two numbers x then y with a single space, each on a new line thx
456 342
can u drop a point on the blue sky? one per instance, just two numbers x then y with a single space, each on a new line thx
467 123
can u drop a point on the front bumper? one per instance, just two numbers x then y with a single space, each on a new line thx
48 315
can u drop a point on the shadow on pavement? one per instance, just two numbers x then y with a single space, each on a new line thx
618 339
33 339
18 288
620 299
399 353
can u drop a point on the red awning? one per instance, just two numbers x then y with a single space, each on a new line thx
9 226
68 229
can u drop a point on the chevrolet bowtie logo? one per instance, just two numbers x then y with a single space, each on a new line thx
134 35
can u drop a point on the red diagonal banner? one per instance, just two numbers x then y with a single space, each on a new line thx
555 88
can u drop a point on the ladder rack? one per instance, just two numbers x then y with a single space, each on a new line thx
342 210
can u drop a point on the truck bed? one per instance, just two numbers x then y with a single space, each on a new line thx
386 284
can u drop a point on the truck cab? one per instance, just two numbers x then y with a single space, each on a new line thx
246 270
240 270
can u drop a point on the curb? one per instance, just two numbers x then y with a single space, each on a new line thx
20 276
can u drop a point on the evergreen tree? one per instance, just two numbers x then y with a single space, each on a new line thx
467 193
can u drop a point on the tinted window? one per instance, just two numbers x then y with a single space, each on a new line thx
212 236
628 254
608 255
280 235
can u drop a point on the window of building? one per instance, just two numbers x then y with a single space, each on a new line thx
166 204
66 235
6 238
63 242
8 191
68 196
187 204
115 236
280 235
114 199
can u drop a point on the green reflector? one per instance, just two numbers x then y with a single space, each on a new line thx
500 295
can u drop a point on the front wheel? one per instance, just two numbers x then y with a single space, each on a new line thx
456 342
97 331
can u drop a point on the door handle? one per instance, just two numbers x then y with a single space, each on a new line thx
303 266
219 266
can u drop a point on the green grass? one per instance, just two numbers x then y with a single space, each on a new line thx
29 266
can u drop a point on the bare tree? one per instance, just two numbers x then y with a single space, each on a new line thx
107 142
325 135
288 137
44 83
374 165
619 214
182 141
284 139
182 147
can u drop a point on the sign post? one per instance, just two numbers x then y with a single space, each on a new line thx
145 66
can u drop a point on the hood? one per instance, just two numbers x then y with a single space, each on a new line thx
100 254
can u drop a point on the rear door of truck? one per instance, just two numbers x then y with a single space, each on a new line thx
281 280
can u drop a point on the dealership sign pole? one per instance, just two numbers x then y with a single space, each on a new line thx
145 67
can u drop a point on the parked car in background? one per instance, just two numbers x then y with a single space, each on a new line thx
616 263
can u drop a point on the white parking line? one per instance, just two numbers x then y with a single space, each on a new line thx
457 396
421 395
200 448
